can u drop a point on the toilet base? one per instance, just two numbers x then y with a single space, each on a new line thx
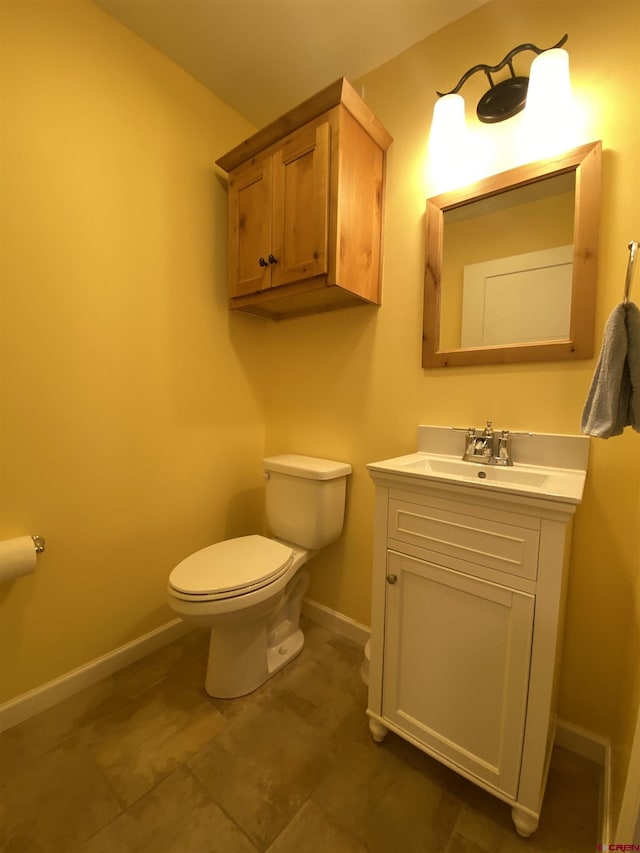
279 655
237 661
243 655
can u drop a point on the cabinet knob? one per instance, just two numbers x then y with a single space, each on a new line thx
392 578
272 260
263 263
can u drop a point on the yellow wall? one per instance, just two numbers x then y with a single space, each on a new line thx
134 406
131 400
351 386
629 684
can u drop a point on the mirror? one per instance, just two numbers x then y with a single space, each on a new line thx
511 265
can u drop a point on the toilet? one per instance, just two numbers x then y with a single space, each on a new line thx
248 591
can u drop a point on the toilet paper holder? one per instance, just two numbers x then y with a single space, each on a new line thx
38 544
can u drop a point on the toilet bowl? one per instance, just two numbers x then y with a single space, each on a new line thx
248 591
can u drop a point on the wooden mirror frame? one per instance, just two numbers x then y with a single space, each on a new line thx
585 161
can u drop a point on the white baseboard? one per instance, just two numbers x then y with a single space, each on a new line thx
596 749
334 621
29 704
582 742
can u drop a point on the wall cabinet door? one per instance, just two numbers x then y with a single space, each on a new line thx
278 207
250 227
456 666
300 206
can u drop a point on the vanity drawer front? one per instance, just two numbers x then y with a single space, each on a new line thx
486 542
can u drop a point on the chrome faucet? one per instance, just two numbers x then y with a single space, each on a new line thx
487 447
479 445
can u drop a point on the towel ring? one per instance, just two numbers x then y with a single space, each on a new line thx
633 250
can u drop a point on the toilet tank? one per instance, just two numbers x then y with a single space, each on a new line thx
305 498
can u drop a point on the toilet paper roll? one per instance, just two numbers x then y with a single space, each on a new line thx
17 557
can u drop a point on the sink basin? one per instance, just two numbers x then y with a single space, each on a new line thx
563 484
469 470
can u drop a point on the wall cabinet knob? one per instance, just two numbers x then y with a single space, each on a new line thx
263 263
272 260
392 578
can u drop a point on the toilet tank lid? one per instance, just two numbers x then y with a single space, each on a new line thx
308 467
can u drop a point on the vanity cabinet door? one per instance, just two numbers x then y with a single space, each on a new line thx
456 666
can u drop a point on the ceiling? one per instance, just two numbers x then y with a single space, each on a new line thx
263 57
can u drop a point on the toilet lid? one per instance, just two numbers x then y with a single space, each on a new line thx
231 567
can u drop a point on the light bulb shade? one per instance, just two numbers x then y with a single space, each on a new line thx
549 93
448 126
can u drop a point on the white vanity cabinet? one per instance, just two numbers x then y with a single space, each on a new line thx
468 598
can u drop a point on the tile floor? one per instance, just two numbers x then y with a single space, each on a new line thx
145 761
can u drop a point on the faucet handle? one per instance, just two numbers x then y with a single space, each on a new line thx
503 448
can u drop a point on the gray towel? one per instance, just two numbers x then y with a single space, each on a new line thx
633 360
610 401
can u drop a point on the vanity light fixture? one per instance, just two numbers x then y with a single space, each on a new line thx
549 79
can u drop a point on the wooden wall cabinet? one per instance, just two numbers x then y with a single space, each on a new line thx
306 200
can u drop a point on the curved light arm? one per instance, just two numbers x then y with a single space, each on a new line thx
492 69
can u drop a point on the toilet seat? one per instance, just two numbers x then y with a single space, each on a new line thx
230 568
